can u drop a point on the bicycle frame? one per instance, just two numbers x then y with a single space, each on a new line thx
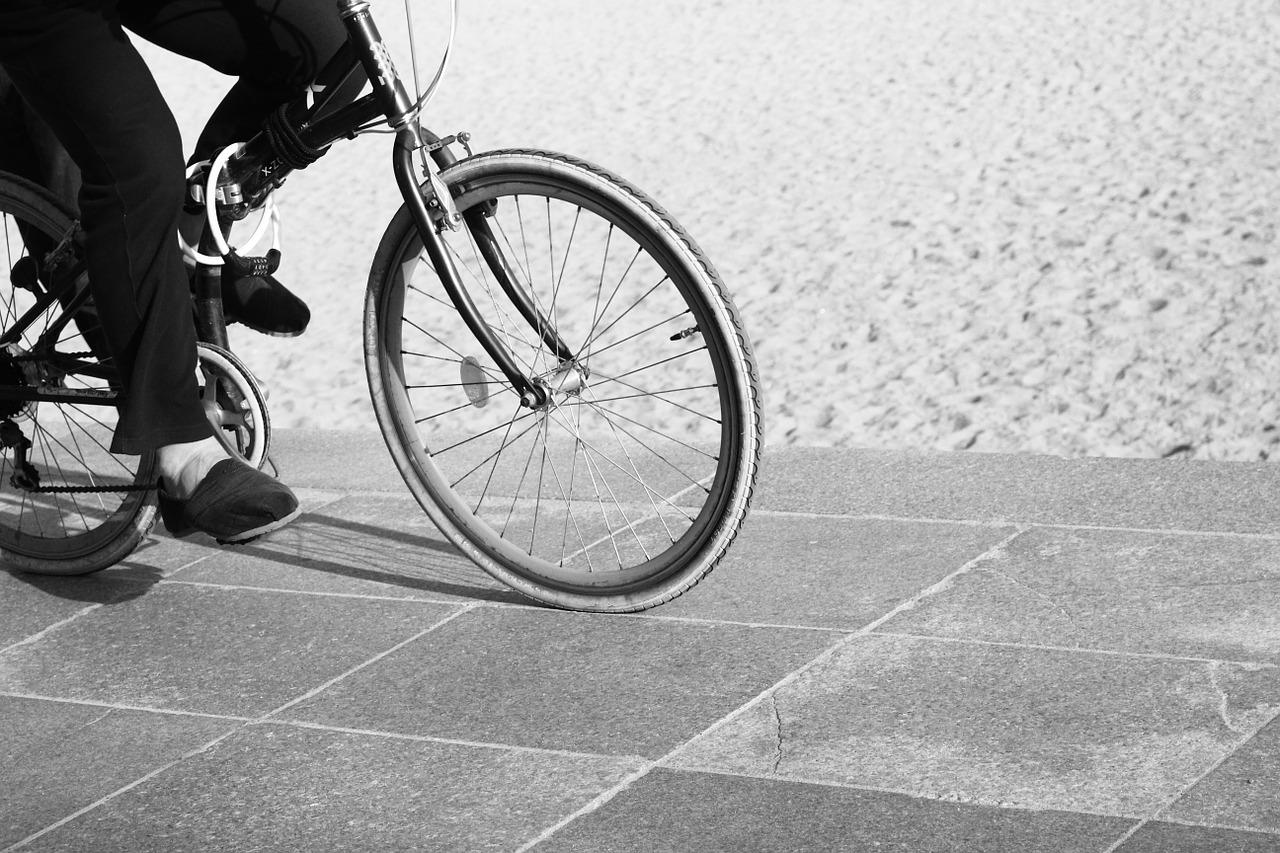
61 290
331 112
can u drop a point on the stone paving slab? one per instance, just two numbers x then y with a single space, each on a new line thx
30 604
1243 791
284 788
539 678
999 725
826 572
61 757
676 812
219 651
364 544
998 656
1156 593
1176 838
1221 497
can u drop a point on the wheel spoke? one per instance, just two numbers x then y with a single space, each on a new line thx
636 478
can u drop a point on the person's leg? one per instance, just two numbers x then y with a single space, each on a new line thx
273 48
73 63
29 149
88 83
17 151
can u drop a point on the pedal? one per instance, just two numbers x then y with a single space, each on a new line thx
24 275
25 476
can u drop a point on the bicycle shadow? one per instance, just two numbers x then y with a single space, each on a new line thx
126 581
380 555
368 553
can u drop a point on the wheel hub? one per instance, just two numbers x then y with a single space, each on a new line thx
571 378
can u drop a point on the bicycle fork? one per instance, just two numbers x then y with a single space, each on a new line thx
394 100
532 394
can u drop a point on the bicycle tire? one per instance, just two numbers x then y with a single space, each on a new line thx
54 532
666 514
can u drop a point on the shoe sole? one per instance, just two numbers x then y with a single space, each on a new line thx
268 332
248 536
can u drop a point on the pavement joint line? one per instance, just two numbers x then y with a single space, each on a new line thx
353 670
1230 827
329 497
501 747
48 629
510 605
605 796
321 593
1244 739
1245 664
42 633
242 724
598 801
1013 522
185 566
792 779
119 706
864 516
989 522
866 630
651 616
122 790
1164 531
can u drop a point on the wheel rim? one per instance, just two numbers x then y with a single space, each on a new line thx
69 441
619 482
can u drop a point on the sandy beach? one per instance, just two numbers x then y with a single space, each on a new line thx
986 226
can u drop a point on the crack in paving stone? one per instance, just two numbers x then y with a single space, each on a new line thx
99 718
777 718
1246 720
1037 593
1224 707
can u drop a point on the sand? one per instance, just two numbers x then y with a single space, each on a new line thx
1000 226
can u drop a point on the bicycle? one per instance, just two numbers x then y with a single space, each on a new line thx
557 370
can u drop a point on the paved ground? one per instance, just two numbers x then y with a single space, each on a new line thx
903 652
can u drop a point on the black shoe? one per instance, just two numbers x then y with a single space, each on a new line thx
234 504
264 305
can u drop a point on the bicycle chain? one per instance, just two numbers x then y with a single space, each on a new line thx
24 481
30 356
88 489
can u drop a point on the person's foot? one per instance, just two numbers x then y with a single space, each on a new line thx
204 490
264 305
182 466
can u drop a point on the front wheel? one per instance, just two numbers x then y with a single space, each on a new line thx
628 484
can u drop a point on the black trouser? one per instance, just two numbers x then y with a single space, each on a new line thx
73 63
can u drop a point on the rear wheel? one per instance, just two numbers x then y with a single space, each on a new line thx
628 484
67 504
